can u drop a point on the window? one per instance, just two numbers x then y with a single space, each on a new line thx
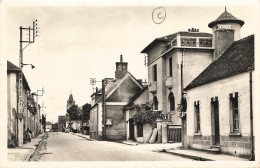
234 112
155 103
197 116
139 130
170 66
172 101
155 72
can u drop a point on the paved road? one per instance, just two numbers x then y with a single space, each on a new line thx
67 147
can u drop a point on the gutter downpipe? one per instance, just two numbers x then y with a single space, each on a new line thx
104 109
182 119
251 118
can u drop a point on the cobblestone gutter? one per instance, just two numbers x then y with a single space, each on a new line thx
36 154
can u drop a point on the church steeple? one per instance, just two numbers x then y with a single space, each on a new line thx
70 101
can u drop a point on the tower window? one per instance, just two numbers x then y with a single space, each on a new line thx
155 72
170 66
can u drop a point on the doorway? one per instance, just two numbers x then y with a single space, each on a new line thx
131 129
215 123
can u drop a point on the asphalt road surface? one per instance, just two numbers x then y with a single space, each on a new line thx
61 146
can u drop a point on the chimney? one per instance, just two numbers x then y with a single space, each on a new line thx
121 68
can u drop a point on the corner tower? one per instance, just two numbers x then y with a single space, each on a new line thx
225 29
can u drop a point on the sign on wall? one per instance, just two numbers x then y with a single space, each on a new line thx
108 121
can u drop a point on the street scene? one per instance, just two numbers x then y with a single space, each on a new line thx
130 83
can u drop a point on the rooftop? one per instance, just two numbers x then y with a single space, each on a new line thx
238 58
170 37
226 17
13 68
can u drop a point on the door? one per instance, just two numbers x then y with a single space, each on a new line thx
131 129
215 123
174 133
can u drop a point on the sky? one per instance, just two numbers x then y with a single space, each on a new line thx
77 43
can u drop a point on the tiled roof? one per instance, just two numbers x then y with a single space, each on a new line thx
131 102
171 37
12 67
238 58
226 17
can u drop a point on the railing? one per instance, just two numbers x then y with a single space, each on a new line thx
205 42
189 42
186 41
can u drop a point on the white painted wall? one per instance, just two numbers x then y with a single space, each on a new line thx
222 88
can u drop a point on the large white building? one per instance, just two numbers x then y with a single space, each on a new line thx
219 100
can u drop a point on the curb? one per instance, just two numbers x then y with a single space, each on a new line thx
83 137
186 155
39 146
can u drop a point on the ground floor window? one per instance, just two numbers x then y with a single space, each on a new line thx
139 130
234 112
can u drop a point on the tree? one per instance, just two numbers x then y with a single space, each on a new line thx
73 112
86 111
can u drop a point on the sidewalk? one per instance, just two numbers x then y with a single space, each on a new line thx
24 153
175 149
203 155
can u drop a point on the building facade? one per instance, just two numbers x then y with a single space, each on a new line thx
107 118
173 61
220 99
18 123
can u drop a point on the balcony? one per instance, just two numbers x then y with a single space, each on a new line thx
168 82
153 87
190 42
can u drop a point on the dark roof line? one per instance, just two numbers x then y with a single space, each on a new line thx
238 58
13 68
135 97
171 37
224 18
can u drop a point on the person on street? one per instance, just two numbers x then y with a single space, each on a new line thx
28 134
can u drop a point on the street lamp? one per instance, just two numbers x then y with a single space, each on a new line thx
29 64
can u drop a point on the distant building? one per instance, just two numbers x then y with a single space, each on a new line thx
109 124
61 123
220 99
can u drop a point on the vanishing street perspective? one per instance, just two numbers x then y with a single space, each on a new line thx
86 97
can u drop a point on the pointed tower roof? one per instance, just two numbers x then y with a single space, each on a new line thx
226 17
71 97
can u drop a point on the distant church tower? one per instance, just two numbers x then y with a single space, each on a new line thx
70 102
225 30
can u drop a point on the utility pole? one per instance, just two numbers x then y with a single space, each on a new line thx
38 111
19 114
93 82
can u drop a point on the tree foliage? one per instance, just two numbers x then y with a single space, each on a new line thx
73 112
86 111
146 117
